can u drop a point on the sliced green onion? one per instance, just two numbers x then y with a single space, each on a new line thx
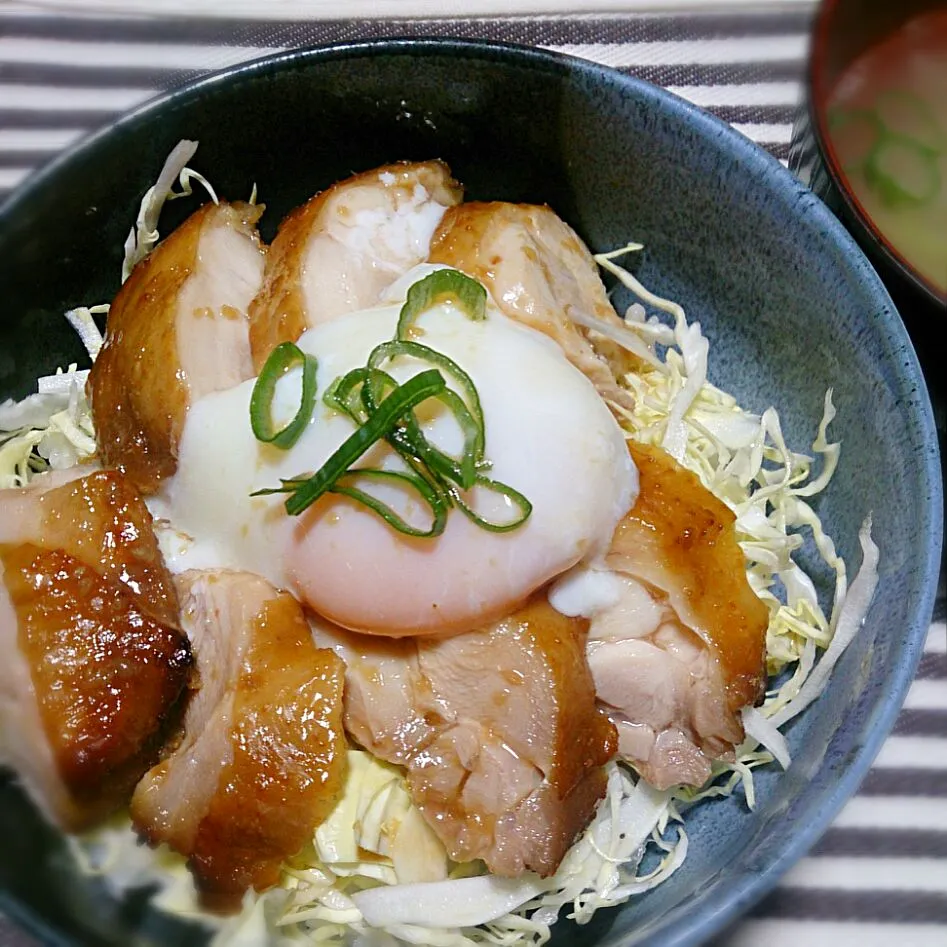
862 130
463 472
402 400
902 172
384 410
424 353
907 115
376 385
284 357
426 293
286 486
357 394
438 503
504 489
411 442
343 395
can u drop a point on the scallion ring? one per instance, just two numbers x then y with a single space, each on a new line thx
284 357
907 115
410 441
437 502
902 172
358 393
467 293
343 395
462 471
402 400
525 507
386 351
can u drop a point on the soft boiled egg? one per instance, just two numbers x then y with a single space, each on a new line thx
548 434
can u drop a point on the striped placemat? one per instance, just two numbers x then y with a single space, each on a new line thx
874 878
63 76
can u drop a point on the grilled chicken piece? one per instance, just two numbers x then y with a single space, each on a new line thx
662 688
261 760
100 519
339 251
176 331
539 273
93 661
680 539
683 649
498 729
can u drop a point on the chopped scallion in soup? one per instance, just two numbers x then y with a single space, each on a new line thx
888 127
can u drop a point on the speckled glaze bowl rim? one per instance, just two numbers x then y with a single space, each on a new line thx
688 927
817 95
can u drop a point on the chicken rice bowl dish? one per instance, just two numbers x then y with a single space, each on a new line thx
384 584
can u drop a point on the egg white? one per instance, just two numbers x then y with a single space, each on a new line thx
548 435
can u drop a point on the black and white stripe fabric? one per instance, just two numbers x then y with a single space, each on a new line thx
873 878
61 77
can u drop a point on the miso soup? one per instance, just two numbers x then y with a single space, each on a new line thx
887 119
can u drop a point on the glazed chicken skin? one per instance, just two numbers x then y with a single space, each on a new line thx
541 274
682 650
339 251
680 539
260 761
498 730
176 331
94 662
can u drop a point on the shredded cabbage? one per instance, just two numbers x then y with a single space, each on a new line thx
48 430
376 819
375 874
601 870
51 429
81 319
744 460
144 236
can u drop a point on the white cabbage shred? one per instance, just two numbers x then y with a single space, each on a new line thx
51 429
144 236
375 875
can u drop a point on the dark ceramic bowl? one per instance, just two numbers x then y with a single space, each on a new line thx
842 31
787 299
